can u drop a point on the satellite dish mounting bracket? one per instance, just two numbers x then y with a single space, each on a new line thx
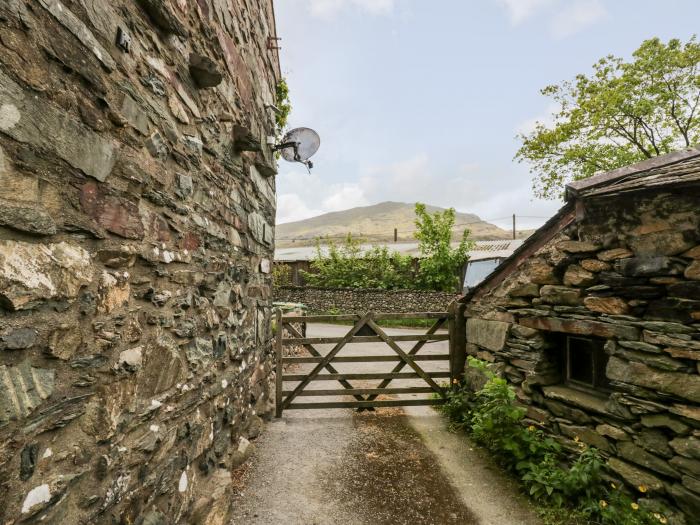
297 158
298 145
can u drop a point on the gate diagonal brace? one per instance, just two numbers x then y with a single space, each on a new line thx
407 359
326 360
416 348
310 348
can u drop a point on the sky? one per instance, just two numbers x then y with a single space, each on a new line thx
422 100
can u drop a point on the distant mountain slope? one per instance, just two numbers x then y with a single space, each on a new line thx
376 223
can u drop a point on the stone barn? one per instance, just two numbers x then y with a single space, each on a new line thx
595 320
137 205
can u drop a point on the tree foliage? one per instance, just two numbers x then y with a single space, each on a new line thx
440 263
623 113
281 274
347 265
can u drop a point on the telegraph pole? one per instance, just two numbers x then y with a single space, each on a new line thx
514 226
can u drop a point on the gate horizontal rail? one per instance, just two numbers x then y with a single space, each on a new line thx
341 392
362 339
369 404
364 329
361 376
356 317
364 359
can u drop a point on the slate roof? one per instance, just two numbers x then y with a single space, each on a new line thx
678 169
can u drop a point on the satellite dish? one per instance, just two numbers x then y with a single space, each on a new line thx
299 145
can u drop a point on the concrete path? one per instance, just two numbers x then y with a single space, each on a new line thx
389 467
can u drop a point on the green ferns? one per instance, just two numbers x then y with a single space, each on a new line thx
570 490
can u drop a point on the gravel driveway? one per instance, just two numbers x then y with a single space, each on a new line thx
388 467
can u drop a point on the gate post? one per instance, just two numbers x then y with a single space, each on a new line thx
278 363
457 324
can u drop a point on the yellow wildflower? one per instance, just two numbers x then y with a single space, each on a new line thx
613 485
634 506
657 515
662 520
531 428
603 503
642 488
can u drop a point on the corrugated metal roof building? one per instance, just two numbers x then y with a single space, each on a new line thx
483 258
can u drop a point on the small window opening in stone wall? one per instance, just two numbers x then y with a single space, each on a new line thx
583 361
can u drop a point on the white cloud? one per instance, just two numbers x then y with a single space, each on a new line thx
546 117
470 167
291 207
577 16
329 8
566 17
344 196
302 195
468 188
520 10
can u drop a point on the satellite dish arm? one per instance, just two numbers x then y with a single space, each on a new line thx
285 145
295 147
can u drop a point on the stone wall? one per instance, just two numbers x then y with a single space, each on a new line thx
628 273
136 213
352 300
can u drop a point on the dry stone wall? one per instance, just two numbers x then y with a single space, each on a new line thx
136 213
357 300
627 273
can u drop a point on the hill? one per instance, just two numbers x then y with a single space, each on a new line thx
376 223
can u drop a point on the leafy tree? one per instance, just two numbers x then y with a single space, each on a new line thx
440 263
623 113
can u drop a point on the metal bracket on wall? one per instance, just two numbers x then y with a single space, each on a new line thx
272 42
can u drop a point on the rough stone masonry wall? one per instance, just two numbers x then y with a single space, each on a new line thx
349 300
135 237
629 273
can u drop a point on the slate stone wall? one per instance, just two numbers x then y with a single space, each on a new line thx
136 212
629 273
354 300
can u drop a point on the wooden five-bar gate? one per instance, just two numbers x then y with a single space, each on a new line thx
446 326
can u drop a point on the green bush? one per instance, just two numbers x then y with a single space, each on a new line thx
494 419
440 263
281 274
346 266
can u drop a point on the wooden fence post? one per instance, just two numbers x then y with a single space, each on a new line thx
458 341
278 364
